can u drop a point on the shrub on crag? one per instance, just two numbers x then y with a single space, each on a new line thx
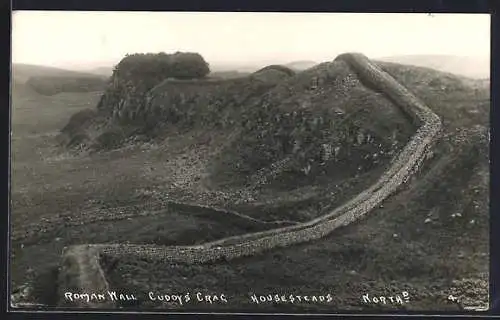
188 66
148 69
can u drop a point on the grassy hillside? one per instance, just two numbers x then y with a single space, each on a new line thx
459 101
44 80
472 67
228 74
23 72
103 71
301 65
274 145
51 85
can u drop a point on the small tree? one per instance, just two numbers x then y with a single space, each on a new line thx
188 66
156 67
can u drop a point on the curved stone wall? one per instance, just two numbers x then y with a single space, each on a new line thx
402 168
81 273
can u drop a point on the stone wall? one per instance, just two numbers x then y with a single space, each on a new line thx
402 168
81 273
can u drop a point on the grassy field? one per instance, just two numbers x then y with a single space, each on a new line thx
430 240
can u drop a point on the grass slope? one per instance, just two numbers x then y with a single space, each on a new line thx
473 67
23 72
51 85
301 65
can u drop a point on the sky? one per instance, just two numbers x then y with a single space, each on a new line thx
92 39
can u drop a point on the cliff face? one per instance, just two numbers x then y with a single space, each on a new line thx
147 105
136 74
122 93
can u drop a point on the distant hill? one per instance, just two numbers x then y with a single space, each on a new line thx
301 65
21 73
51 85
228 74
472 67
236 68
27 78
298 65
103 71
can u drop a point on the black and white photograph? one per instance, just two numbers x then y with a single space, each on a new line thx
249 162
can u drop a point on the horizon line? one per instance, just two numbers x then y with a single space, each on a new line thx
243 63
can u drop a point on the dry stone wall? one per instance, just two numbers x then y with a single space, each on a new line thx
402 168
81 273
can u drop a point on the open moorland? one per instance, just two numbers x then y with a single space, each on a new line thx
255 184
